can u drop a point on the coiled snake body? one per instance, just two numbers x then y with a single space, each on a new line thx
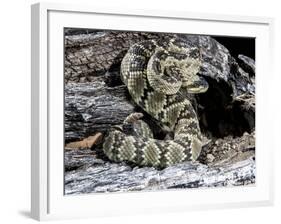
157 73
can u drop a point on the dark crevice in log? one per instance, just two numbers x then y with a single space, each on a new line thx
220 115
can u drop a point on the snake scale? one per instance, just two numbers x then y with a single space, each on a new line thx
157 73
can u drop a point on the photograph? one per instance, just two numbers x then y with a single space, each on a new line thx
151 111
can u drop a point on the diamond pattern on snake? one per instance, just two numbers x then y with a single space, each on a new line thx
156 73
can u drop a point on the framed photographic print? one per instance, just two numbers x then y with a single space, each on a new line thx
162 109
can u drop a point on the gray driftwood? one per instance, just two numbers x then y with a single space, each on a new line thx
109 177
93 107
226 162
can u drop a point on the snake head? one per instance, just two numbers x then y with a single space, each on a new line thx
197 85
192 81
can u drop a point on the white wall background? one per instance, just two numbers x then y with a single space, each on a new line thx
15 110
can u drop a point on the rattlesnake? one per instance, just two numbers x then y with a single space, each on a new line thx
157 74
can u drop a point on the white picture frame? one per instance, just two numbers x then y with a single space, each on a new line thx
48 201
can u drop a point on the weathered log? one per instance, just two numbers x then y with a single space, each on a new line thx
88 56
228 162
96 107
247 64
109 177
93 107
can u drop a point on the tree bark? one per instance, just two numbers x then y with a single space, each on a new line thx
94 107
